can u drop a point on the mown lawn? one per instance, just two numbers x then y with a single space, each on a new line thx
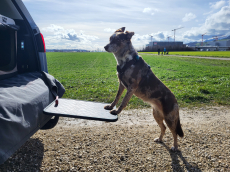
198 53
92 77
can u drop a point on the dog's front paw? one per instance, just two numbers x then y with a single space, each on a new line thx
108 107
114 112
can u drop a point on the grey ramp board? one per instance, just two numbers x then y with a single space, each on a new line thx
80 109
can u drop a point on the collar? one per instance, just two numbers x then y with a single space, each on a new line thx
137 57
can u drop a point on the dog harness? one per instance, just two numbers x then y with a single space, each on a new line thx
121 71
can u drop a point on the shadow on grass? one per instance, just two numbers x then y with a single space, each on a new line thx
28 158
175 156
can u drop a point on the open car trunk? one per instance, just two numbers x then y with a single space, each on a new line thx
25 86
27 91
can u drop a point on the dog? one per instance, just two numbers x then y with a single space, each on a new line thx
136 76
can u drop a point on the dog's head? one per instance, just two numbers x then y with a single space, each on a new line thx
119 40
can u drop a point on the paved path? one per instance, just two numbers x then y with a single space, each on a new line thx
199 57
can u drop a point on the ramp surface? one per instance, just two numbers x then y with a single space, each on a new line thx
80 109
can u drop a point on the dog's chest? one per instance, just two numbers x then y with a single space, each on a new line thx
133 72
130 76
124 77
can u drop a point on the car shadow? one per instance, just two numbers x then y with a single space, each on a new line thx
28 158
175 156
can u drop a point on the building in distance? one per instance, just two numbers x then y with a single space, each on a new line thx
165 44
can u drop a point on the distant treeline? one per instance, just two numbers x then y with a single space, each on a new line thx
168 48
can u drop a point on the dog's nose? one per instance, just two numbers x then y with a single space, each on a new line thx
106 47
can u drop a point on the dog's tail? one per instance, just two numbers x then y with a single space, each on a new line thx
179 130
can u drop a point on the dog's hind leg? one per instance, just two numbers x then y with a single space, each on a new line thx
159 119
172 127
119 93
173 122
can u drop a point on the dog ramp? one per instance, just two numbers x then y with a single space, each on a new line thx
79 109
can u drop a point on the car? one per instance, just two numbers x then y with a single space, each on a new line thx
30 98
23 78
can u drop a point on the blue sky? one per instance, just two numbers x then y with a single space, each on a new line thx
84 24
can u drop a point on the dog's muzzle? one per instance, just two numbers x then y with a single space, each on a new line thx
106 47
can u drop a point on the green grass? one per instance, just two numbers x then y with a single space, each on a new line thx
92 77
198 53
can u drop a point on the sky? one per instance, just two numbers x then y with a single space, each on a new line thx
85 24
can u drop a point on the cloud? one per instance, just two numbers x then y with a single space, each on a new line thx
219 20
69 34
67 38
208 13
139 41
159 36
53 28
33 0
188 17
150 11
215 24
109 30
217 5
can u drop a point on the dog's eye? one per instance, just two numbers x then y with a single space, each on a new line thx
113 40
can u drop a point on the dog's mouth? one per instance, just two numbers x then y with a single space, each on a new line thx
106 48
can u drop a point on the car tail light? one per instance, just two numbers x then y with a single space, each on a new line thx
43 41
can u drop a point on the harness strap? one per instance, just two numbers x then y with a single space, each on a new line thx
121 71
146 76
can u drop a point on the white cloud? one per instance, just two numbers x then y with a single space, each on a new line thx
150 10
188 17
215 24
159 36
217 5
67 38
109 30
69 34
101 19
219 21
33 0
208 13
53 28
139 41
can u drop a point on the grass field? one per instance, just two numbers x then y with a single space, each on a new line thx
92 77
198 53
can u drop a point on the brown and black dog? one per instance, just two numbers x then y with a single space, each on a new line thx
137 77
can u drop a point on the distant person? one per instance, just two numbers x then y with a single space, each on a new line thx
159 50
164 50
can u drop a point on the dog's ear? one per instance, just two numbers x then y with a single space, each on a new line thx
120 30
129 34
